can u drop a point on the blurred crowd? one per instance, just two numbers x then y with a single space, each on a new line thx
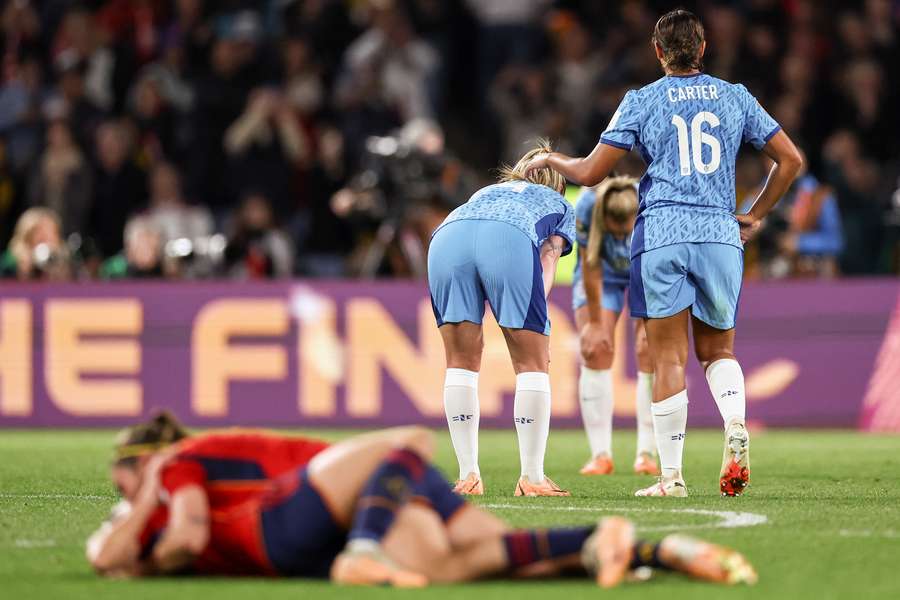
327 138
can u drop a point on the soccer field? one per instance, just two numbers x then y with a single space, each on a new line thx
821 520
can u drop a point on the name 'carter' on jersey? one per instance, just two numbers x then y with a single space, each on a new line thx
688 129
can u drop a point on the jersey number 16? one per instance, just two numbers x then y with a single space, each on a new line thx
693 148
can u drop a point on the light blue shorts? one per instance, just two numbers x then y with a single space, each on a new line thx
473 261
612 298
704 276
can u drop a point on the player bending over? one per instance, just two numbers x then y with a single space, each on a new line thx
373 510
502 246
687 247
604 222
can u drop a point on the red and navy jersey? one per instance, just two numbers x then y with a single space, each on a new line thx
232 465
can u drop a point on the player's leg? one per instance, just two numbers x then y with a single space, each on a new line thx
418 544
458 302
514 287
463 343
530 354
718 273
645 460
661 293
595 391
668 341
607 552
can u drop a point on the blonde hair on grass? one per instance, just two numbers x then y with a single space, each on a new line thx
545 176
616 198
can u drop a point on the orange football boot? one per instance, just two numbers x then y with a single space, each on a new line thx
645 464
599 465
545 488
363 563
706 561
470 486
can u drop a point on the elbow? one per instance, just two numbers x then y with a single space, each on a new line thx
793 163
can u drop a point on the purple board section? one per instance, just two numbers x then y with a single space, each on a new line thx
368 354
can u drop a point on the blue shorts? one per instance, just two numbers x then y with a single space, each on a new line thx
300 535
612 298
704 276
472 261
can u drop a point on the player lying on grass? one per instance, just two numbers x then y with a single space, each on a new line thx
373 510
501 247
604 222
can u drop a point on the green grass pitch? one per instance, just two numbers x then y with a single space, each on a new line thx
830 500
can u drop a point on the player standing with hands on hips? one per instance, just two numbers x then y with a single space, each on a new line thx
502 246
687 247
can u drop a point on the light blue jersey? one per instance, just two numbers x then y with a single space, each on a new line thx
615 255
688 130
488 250
535 210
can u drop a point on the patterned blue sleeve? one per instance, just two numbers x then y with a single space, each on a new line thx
759 126
625 126
566 227
584 211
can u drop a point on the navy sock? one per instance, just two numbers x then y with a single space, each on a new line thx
389 488
435 489
646 554
528 546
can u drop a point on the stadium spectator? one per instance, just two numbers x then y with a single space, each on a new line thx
264 146
256 248
119 188
171 212
36 250
142 257
61 180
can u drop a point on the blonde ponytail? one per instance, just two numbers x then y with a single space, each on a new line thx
616 198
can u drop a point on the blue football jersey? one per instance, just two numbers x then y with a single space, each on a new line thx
536 210
688 129
615 253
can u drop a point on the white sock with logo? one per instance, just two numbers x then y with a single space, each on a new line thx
646 441
532 416
726 382
669 424
461 408
595 394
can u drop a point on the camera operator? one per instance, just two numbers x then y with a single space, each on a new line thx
407 184
36 250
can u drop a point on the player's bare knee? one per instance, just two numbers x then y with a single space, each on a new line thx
418 439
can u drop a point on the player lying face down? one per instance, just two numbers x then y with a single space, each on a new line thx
373 510
216 469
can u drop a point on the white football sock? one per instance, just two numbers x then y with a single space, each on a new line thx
726 382
595 393
462 410
646 442
532 415
669 423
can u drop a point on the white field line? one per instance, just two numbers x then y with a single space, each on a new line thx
891 534
35 543
14 496
726 519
